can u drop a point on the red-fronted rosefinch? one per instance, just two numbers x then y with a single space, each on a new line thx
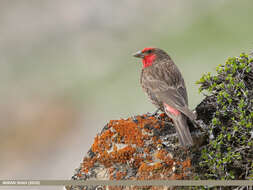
164 85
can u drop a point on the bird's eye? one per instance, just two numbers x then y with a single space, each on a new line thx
149 51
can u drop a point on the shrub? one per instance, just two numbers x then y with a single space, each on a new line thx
229 150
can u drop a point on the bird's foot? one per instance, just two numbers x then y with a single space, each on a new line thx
154 114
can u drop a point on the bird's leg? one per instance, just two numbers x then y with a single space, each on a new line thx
155 113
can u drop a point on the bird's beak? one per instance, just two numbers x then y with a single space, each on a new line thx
138 54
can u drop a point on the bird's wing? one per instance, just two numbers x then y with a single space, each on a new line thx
171 90
173 98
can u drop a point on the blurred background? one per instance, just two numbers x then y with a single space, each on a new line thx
66 69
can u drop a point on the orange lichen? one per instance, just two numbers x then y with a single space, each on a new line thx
146 150
157 126
149 158
152 118
115 149
120 175
127 142
87 164
102 142
137 160
186 164
104 158
154 139
165 157
162 115
144 167
161 154
142 121
95 145
122 155
111 123
129 131
184 168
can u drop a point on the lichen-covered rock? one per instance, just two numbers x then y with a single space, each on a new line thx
140 148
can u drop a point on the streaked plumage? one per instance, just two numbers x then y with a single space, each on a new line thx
164 85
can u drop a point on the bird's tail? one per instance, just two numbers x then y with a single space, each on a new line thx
183 132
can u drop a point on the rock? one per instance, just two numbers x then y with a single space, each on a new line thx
139 148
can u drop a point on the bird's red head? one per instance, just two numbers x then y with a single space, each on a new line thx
148 56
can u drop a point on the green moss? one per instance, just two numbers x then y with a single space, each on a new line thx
229 152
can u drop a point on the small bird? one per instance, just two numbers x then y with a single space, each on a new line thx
165 87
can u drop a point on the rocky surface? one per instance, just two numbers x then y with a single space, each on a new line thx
139 148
